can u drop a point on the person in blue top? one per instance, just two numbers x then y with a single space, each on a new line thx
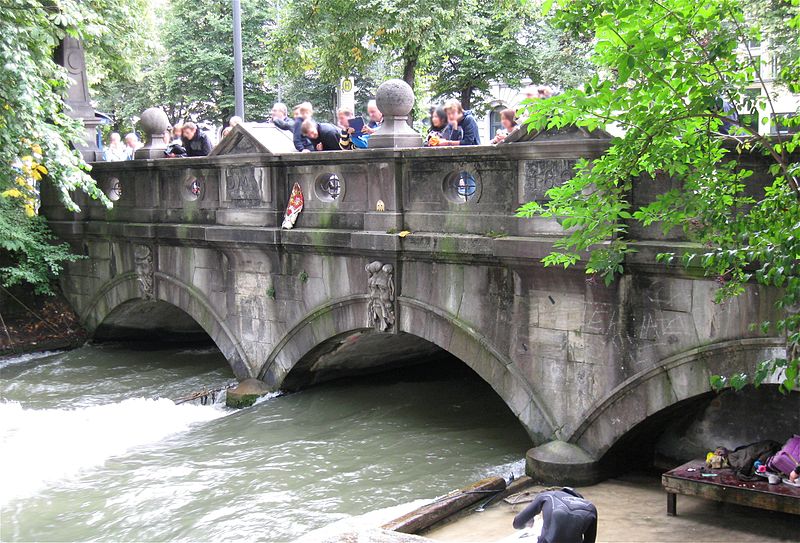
462 129
302 112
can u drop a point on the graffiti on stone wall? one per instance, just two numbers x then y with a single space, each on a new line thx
143 261
380 285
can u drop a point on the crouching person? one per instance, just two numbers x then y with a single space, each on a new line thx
195 141
567 516
323 136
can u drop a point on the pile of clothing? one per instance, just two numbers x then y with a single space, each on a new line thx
763 459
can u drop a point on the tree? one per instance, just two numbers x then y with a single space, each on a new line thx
335 38
188 72
663 66
35 132
505 41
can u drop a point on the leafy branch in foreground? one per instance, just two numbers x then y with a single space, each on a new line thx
666 69
36 131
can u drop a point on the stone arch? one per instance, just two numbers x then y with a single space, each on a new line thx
346 317
125 288
675 380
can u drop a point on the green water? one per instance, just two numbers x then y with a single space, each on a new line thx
88 453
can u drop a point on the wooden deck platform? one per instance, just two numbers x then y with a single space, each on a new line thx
689 480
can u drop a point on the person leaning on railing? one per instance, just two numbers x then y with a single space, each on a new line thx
461 129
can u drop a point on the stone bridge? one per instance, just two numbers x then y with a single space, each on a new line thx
196 245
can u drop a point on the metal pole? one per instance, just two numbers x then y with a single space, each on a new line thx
238 84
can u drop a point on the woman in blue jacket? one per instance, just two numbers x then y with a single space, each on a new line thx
462 129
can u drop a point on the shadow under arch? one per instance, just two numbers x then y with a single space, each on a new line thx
678 381
333 332
122 294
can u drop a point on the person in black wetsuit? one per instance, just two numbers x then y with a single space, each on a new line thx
568 517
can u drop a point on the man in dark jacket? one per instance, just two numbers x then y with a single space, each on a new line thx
324 136
568 517
280 117
462 129
302 112
195 141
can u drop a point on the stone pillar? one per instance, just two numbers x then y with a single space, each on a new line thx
70 55
395 99
153 122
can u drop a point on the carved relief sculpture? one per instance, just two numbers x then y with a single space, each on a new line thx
143 262
380 286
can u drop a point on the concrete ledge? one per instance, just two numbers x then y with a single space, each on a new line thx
563 464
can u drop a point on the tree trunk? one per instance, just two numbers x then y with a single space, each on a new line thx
466 97
410 57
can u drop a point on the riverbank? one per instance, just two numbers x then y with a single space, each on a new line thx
30 323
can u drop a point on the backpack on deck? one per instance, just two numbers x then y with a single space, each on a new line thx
743 458
786 459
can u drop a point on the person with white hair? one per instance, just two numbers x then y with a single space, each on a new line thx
375 118
280 117
132 144
115 151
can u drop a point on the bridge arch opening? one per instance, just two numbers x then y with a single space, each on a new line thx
365 357
151 320
692 427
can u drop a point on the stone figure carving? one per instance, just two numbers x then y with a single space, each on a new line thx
143 262
380 285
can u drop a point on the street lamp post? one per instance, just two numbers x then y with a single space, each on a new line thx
238 83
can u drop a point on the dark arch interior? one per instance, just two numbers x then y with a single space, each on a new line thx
152 321
691 428
363 352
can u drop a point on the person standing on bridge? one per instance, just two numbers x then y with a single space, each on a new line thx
323 136
302 112
195 141
280 117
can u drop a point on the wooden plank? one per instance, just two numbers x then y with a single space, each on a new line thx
427 515
725 487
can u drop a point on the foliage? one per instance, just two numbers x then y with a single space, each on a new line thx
35 130
189 72
663 66
505 41
336 38
28 254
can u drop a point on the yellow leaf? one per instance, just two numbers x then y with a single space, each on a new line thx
29 211
11 193
37 150
404 233
42 168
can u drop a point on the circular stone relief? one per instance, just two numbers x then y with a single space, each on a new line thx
194 189
461 187
114 190
329 187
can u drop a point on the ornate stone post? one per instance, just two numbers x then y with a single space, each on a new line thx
70 55
395 99
153 122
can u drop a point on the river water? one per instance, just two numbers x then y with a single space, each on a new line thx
92 448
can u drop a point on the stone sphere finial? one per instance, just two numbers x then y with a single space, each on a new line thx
154 121
395 98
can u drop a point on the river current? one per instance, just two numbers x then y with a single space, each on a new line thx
93 448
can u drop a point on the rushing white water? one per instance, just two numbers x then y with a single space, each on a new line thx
42 446
92 449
